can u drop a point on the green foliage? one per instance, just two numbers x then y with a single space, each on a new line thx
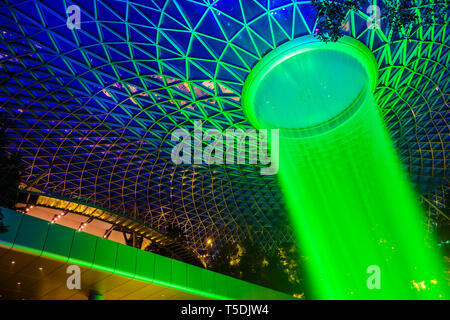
177 234
401 17
227 260
280 270
10 171
432 12
251 262
443 225
156 248
404 16
330 17
3 228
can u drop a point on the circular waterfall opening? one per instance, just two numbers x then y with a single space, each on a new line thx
307 87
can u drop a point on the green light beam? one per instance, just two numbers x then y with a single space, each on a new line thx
352 208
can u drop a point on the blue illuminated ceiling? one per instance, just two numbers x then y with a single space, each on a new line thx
91 110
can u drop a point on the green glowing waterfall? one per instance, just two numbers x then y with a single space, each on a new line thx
354 212
353 208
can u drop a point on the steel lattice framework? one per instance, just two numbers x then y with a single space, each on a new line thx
91 110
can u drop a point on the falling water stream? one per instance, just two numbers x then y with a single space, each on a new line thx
355 214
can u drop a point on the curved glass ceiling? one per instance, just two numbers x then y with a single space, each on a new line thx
91 110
